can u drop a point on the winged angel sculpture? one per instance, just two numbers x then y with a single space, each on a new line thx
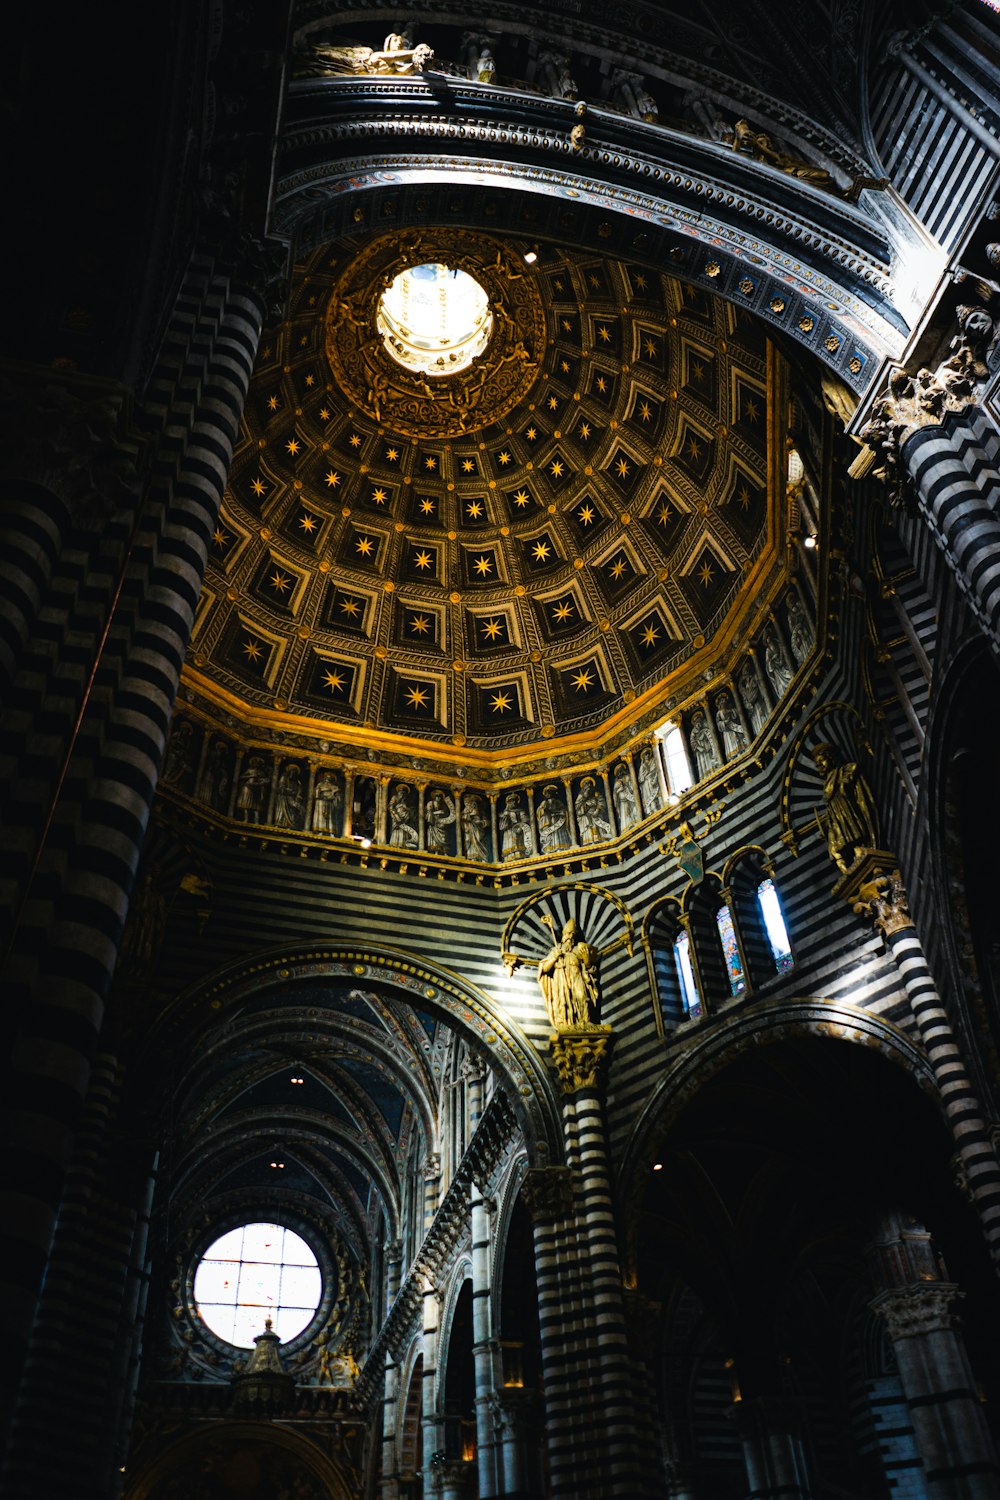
396 59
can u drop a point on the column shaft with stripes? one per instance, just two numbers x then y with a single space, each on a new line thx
955 468
389 1479
875 888
483 1350
74 848
433 1433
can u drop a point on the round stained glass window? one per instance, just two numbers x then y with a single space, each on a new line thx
434 320
255 1272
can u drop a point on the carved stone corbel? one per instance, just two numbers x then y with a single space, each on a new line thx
873 888
548 1193
579 1056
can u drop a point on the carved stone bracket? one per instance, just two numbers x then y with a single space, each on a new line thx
579 1056
924 1307
873 888
548 1193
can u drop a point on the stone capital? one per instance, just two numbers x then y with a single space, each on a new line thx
873 888
922 1307
548 1193
578 1055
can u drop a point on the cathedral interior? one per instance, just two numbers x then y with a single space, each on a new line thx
499 697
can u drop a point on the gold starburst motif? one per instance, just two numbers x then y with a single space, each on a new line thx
618 568
349 607
379 496
604 334
419 624
258 486
492 629
750 411
697 372
422 559
430 462
645 411
500 702
531 434
602 384
483 566
649 348
522 498
694 448
640 281
664 515
584 680
623 468
557 469
219 537
310 380
332 478
474 510
595 280
540 551
391 455
564 366
280 582
585 515
333 680
324 414
416 697
272 403
650 635
468 465
552 403
567 325
562 612
355 440
557 285
503 458
706 573
427 506
585 430
743 497
252 650
307 522
293 445
364 545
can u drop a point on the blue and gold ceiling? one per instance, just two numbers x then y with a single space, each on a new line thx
478 564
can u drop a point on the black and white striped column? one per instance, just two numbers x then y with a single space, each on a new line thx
389 1481
548 1196
955 468
962 1108
483 1351
81 850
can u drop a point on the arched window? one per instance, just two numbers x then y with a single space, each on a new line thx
690 997
679 776
672 969
731 950
774 924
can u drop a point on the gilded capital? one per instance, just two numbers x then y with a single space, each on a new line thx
579 1055
874 890
923 1307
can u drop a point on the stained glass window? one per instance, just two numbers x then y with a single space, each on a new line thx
774 922
253 1272
730 950
685 974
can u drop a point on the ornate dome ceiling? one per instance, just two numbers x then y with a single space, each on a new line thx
552 544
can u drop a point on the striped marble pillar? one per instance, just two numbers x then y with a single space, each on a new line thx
430 1419
920 1313
483 1349
388 1479
548 1196
78 848
875 889
579 1057
955 469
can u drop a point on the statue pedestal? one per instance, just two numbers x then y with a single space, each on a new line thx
578 1055
873 888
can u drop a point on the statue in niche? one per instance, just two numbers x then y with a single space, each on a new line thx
402 818
251 799
754 143
178 763
731 731
799 632
398 57
779 668
475 827
555 76
592 821
753 697
649 781
623 793
553 822
213 785
567 977
850 819
515 833
439 814
328 801
700 740
629 92
290 800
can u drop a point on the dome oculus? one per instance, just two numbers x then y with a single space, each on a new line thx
254 1272
434 319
